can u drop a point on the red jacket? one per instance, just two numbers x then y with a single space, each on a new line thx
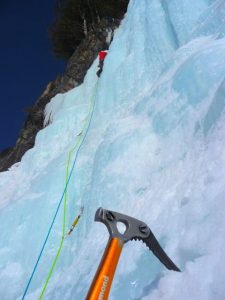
102 55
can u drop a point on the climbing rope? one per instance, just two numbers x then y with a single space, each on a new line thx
81 139
59 248
63 224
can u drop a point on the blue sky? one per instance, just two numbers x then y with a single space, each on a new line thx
26 61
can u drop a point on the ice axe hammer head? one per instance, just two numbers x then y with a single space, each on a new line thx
135 230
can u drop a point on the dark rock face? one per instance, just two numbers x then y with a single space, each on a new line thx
76 70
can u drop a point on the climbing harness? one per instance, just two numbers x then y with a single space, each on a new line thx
81 138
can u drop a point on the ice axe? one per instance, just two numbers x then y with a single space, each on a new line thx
135 230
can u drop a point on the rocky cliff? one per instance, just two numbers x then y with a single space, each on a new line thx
75 72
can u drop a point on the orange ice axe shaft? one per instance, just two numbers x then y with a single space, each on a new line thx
102 281
135 230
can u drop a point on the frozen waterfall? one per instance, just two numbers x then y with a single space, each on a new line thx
154 150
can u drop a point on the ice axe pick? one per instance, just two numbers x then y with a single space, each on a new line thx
135 230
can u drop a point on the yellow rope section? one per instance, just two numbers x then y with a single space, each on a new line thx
79 141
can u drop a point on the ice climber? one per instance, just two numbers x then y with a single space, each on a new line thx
101 56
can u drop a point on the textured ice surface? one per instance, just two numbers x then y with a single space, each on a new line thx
155 150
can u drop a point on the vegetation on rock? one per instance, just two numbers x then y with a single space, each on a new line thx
74 19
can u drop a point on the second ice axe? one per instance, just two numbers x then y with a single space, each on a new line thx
135 230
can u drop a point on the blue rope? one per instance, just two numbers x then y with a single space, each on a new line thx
53 221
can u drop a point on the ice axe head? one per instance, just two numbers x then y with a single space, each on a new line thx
135 230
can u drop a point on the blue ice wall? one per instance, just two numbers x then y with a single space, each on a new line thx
154 151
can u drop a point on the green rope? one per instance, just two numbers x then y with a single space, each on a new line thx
63 236
78 144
